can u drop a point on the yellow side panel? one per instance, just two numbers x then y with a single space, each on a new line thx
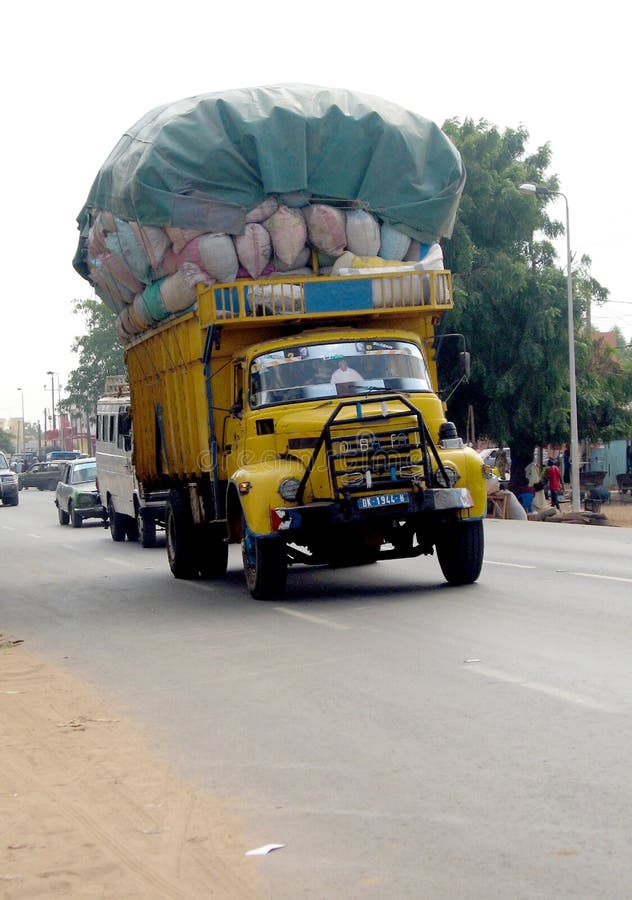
169 404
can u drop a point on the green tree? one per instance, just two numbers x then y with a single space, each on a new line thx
603 400
100 355
511 294
7 442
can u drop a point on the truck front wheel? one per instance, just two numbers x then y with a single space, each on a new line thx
265 564
460 547
180 538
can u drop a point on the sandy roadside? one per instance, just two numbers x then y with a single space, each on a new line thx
86 810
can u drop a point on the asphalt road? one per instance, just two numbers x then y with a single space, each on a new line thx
402 738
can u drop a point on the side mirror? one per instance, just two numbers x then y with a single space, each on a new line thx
464 363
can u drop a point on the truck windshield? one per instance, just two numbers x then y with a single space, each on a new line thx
317 371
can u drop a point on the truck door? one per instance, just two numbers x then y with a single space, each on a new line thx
233 423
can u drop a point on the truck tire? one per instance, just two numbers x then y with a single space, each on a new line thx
131 529
117 523
146 525
265 564
181 550
63 516
460 549
75 520
212 552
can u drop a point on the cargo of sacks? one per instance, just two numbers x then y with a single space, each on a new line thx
265 183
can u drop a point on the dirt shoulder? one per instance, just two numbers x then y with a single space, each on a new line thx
86 810
619 512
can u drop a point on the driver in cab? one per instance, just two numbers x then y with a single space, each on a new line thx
344 373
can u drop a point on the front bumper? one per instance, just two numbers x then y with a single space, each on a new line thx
8 490
354 511
91 512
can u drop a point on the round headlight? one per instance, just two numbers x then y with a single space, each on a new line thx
288 489
453 477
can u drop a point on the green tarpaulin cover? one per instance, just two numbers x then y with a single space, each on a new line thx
204 162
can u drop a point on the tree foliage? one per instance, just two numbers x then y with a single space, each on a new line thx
511 302
100 354
7 441
603 402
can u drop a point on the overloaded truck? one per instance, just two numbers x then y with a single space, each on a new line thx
287 399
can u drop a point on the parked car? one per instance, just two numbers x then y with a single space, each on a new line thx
8 483
76 496
43 476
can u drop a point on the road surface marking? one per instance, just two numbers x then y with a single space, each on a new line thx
605 577
315 620
548 689
33 535
490 562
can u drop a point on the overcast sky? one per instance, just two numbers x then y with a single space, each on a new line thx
75 76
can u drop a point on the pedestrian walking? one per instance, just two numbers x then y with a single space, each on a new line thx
554 477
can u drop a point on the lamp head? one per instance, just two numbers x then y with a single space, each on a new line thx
528 188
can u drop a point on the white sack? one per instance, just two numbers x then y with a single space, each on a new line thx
118 295
178 291
139 313
118 270
218 256
262 212
326 228
301 260
433 259
180 237
254 249
288 232
394 244
124 328
154 241
363 233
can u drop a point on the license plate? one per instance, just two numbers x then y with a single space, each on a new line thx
380 500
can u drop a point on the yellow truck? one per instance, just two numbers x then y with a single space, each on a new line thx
299 416
272 257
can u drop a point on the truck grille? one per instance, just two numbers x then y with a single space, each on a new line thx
384 446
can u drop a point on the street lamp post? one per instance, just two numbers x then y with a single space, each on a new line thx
52 394
575 491
23 435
